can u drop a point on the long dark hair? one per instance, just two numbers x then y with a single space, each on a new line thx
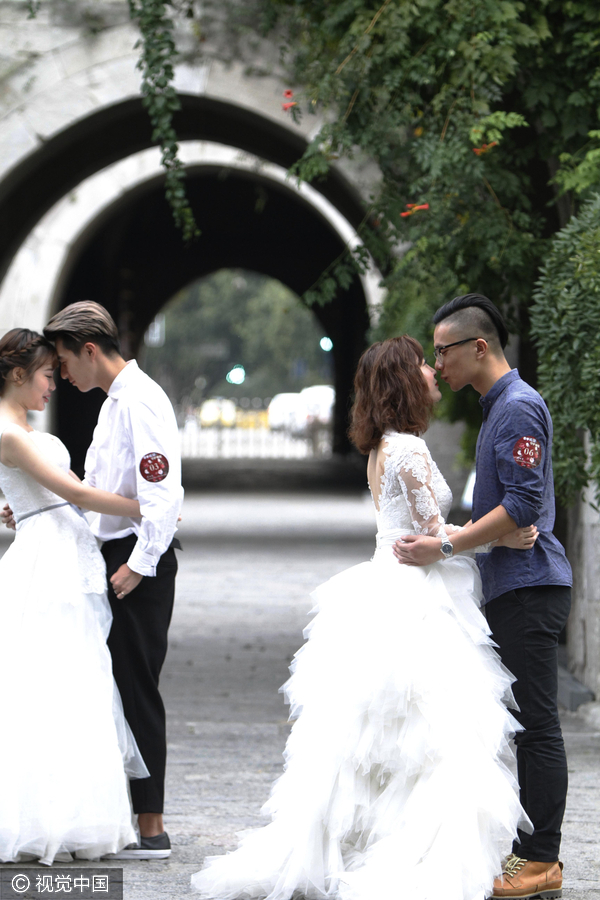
391 393
23 349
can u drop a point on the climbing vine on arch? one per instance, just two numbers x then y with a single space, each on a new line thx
158 54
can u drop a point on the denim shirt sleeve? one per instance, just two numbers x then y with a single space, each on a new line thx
523 479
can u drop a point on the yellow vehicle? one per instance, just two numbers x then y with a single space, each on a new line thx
218 411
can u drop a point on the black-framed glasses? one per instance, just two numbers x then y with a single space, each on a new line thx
439 352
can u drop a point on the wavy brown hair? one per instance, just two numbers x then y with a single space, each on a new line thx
391 393
24 349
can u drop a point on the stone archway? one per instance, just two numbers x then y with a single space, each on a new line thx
90 144
132 260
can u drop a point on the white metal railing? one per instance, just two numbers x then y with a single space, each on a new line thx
249 443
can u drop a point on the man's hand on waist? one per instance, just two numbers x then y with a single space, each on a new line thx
6 514
124 581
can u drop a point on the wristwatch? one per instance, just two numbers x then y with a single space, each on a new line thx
447 548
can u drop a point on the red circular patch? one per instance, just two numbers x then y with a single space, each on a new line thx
527 452
154 467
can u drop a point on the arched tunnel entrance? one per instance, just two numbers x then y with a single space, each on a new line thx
132 259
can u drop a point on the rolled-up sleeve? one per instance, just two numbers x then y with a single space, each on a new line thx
521 446
158 476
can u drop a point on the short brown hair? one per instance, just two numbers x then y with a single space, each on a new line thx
23 349
391 392
81 322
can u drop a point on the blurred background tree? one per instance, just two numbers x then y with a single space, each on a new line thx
238 318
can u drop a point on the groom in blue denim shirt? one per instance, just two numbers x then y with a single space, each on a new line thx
514 469
527 594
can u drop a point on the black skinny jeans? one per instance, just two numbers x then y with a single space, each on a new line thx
526 624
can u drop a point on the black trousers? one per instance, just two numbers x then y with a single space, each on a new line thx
526 624
138 646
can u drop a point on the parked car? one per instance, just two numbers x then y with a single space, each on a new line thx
315 409
282 411
218 411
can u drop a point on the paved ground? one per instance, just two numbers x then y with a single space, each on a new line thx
249 564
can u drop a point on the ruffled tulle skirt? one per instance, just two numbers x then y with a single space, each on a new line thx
395 779
66 746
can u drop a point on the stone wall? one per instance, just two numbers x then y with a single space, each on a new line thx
583 632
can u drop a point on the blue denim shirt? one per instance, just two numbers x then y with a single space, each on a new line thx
514 469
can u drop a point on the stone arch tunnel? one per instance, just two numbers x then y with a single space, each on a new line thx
132 259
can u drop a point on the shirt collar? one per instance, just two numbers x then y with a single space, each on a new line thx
487 400
123 379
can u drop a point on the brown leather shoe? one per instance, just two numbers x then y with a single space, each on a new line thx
524 878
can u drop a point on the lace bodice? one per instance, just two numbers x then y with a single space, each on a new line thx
74 540
22 492
414 495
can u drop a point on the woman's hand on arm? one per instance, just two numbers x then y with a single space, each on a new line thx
422 550
520 539
19 451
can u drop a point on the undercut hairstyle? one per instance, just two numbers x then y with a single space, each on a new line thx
391 393
81 323
24 349
477 315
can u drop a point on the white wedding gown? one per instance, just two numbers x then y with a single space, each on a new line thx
394 783
65 745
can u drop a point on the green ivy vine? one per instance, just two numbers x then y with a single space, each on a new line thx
157 57
565 324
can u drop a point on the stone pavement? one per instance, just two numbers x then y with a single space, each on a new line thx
249 564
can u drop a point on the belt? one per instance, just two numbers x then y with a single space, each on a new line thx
36 512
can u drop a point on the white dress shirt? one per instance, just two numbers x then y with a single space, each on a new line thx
135 451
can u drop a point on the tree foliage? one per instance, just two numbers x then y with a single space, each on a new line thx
565 320
466 108
259 324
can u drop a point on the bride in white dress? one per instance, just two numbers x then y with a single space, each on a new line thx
395 783
66 747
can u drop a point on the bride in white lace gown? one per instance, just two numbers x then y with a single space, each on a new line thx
66 748
395 782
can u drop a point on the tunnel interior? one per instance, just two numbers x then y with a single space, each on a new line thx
132 260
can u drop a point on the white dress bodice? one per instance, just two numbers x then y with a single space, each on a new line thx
414 496
23 493
63 525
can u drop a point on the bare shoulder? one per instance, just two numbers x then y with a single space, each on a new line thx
14 437
13 440
12 432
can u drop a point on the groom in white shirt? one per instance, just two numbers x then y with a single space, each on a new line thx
134 452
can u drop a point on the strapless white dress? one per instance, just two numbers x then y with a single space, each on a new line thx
395 781
65 746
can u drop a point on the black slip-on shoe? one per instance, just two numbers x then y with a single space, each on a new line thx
156 847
